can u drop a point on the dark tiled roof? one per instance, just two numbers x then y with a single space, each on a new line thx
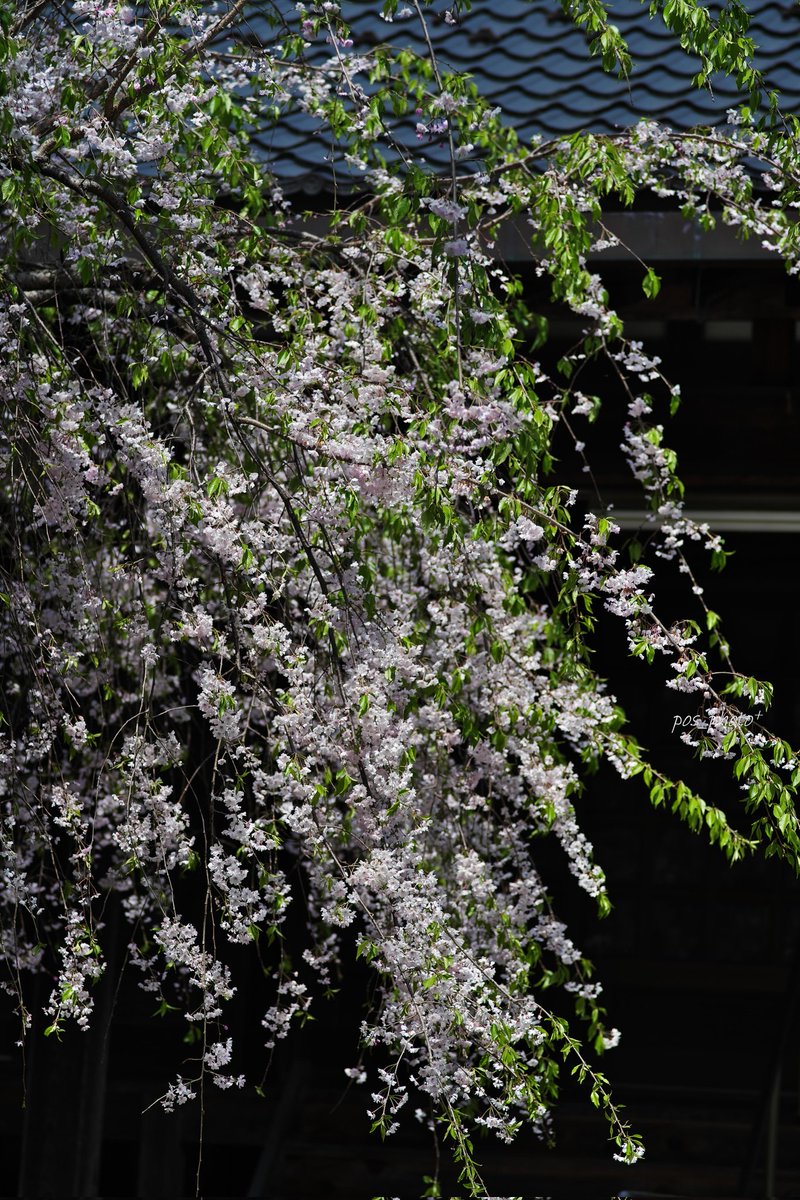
530 60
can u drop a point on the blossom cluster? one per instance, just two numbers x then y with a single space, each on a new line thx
293 614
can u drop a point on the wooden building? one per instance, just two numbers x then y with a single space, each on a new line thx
699 961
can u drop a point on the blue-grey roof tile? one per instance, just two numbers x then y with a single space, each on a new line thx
526 57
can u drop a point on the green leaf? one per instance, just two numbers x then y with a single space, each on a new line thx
651 284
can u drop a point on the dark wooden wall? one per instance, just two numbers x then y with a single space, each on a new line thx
695 958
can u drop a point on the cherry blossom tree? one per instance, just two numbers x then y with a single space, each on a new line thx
290 587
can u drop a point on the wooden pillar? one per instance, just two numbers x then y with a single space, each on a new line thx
162 1162
63 1124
